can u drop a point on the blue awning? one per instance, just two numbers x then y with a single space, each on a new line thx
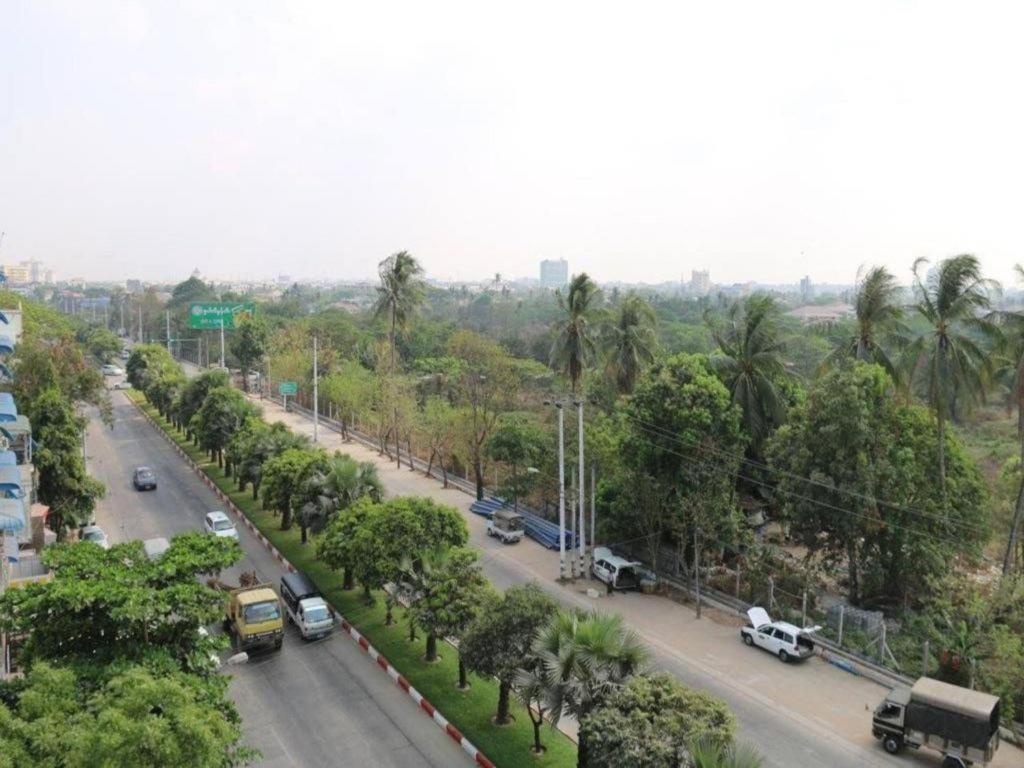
8 410
6 344
8 459
12 515
7 401
11 482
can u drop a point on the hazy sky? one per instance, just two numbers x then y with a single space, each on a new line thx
639 140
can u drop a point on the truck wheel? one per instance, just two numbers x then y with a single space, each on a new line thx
783 656
277 645
892 744
747 638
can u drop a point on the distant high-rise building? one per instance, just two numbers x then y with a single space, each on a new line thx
806 288
700 282
554 273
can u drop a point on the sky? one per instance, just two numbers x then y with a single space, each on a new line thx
761 141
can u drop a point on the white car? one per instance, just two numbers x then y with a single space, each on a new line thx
95 534
785 640
220 525
112 370
123 385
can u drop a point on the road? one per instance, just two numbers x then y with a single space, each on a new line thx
323 703
807 714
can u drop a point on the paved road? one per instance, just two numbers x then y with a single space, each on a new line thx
804 715
313 704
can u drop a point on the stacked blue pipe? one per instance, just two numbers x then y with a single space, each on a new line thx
544 532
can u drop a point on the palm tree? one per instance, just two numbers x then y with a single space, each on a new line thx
399 294
1009 363
709 754
326 491
629 342
878 315
574 346
583 658
953 299
749 361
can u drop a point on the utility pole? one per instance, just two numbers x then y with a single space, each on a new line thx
593 515
696 565
572 523
316 397
580 544
121 307
141 339
561 491
222 341
167 320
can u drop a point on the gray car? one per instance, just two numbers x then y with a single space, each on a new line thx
144 479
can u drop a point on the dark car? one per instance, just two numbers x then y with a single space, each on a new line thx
144 479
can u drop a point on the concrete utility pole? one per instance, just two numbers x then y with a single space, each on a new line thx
167 320
141 339
593 516
561 491
222 341
316 397
121 307
581 542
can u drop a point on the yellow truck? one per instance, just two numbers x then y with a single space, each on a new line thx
254 618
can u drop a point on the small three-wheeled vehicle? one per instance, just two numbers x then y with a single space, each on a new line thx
506 525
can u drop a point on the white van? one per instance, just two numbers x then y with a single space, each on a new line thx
615 570
155 548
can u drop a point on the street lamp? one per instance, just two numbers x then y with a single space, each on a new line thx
561 486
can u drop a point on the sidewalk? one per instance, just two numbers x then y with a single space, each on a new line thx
826 705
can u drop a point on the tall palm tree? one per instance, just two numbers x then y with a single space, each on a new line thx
953 299
574 346
399 294
583 658
629 341
878 316
1009 363
749 361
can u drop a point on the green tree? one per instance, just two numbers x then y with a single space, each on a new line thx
629 341
439 424
574 347
501 638
283 478
249 345
879 317
399 294
337 544
952 300
857 480
63 483
103 604
193 395
708 754
653 720
585 658
104 345
749 360
449 585
519 442
224 411
487 387
349 388
337 484
59 717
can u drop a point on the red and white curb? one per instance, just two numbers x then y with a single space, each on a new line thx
351 631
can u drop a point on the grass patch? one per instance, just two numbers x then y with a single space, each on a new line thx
469 711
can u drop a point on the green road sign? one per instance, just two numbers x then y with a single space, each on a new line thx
208 315
287 388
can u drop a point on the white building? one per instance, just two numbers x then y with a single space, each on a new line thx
554 273
700 282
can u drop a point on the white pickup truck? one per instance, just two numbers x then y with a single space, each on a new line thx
306 609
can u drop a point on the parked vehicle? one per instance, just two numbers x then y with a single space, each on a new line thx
111 370
155 548
785 640
144 479
961 724
125 354
617 571
123 385
254 618
219 524
94 534
305 607
506 525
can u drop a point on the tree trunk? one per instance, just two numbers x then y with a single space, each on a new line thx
302 533
444 474
347 580
366 594
286 518
463 682
389 604
408 444
581 753
1018 514
430 461
504 687
478 473
851 556
537 723
412 630
431 647
255 490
